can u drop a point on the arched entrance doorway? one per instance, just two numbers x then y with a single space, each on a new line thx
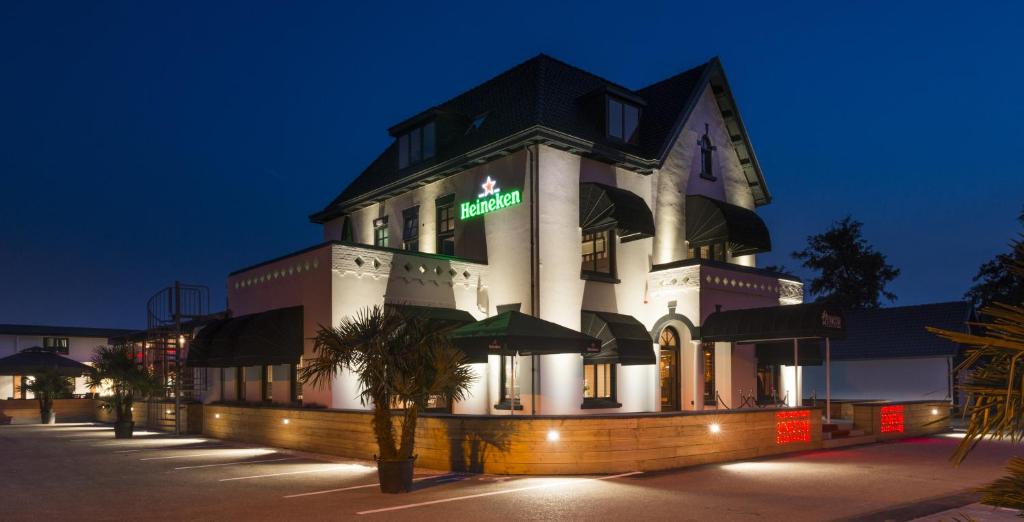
668 369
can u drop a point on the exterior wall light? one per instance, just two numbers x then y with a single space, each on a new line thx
168 412
285 421
216 415
715 428
553 436
935 411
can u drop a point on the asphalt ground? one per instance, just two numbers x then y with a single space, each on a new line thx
81 471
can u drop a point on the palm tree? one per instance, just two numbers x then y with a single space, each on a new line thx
994 385
47 386
115 366
401 361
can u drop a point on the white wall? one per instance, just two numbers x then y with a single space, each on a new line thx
925 378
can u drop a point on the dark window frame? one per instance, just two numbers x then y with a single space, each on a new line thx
267 383
708 377
610 128
240 383
381 235
611 399
591 272
444 213
707 155
411 229
417 145
60 345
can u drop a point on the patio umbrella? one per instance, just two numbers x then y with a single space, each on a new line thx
35 360
512 333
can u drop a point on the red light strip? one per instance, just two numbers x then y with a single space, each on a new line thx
792 426
892 419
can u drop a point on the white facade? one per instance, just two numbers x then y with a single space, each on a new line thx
494 266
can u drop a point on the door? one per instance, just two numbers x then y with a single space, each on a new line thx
668 369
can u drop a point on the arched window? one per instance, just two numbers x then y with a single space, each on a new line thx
668 369
707 150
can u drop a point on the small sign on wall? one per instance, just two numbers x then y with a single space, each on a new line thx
792 426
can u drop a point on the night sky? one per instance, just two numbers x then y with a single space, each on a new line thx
144 142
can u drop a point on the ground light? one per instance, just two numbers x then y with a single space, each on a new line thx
216 415
715 428
553 435
935 411
285 421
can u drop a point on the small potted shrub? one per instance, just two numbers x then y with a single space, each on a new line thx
401 362
47 386
115 368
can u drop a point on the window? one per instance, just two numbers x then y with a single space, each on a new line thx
296 385
57 344
411 229
346 229
713 251
668 369
598 250
510 383
446 225
707 150
599 382
380 231
623 120
416 145
268 383
240 384
708 357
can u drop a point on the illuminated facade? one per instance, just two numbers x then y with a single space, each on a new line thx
628 215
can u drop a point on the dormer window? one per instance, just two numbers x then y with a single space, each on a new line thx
623 120
417 145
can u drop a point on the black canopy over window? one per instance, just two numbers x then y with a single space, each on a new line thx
265 338
774 323
624 340
709 221
606 206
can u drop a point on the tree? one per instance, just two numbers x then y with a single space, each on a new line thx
401 362
852 274
995 391
47 386
995 283
115 366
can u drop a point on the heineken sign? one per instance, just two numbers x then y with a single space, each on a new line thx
491 199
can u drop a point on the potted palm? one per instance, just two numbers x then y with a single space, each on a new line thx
47 386
115 368
402 361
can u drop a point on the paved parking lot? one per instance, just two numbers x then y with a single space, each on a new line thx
81 471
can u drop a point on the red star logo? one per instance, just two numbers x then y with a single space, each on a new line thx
489 187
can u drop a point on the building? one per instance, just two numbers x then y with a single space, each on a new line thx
888 354
75 342
626 214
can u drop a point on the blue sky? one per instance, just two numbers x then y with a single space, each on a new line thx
145 142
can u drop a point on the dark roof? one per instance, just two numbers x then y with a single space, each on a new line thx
900 331
601 205
264 338
711 221
61 331
546 98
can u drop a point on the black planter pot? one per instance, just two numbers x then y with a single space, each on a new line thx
395 476
48 417
123 430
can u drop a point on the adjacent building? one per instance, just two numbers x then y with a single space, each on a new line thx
75 342
888 354
629 214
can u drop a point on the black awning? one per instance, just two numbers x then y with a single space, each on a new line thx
801 321
778 353
603 205
265 338
514 332
712 221
624 340
450 316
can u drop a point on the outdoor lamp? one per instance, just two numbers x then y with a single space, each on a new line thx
285 421
935 411
715 428
553 435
